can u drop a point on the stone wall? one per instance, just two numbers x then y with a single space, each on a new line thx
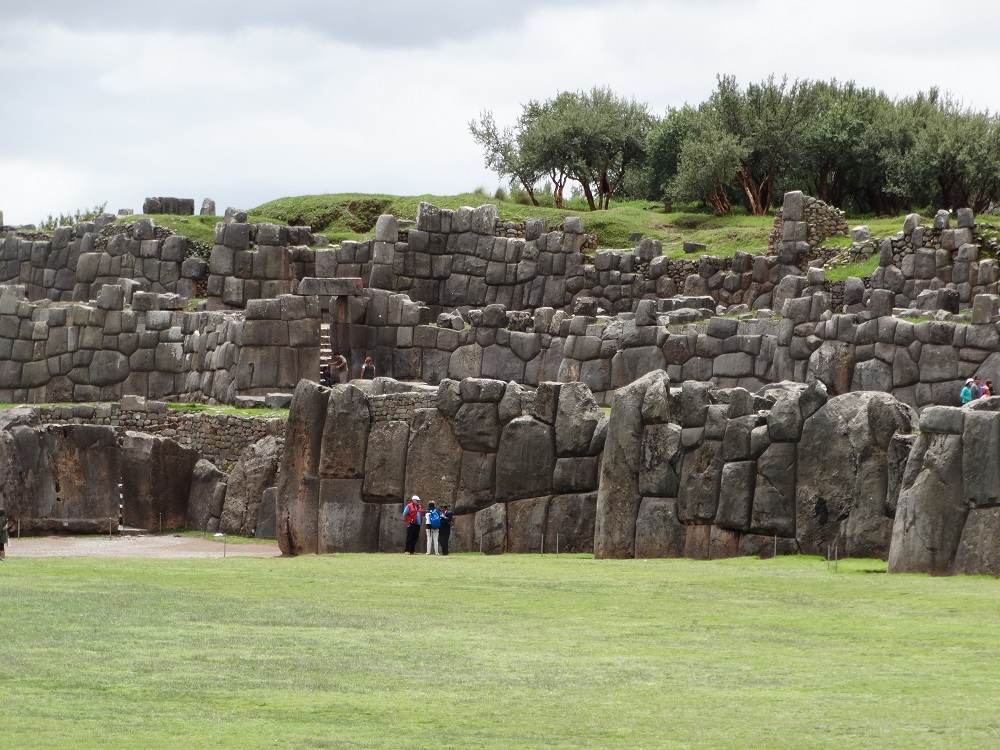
938 267
260 261
219 438
920 361
820 218
694 471
479 448
100 352
79 260
948 509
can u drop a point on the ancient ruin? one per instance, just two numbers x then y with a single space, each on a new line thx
559 397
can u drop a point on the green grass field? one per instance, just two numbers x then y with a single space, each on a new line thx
388 651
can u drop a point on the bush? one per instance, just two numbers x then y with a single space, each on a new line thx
520 196
500 194
69 220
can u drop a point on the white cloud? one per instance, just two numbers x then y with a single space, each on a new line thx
244 114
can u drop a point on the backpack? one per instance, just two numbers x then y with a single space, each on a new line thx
434 518
412 513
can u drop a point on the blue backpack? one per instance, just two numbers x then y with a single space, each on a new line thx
435 519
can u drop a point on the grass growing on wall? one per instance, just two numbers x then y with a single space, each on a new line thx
388 651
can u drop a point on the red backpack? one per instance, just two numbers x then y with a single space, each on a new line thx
412 513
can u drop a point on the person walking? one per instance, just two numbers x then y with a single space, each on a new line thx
977 387
446 519
368 369
412 516
987 389
432 528
4 536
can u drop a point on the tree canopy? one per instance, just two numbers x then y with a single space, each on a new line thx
744 146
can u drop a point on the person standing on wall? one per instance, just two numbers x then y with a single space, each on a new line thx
4 536
412 517
339 363
433 528
446 519
368 369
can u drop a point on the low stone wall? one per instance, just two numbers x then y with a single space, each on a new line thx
820 218
936 268
219 438
100 352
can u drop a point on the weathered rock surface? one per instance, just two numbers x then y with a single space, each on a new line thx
255 471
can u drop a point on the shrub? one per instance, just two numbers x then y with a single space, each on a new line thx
520 196
500 194
69 220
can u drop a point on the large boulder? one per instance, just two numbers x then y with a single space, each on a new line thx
618 496
842 478
526 524
60 477
156 481
385 462
525 460
569 526
255 471
433 458
298 483
206 479
658 530
345 433
346 522
931 512
577 417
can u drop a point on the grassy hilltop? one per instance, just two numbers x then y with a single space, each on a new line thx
515 651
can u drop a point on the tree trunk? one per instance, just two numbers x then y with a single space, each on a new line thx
588 194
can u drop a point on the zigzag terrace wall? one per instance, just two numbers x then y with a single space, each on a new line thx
693 471
79 260
920 362
100 352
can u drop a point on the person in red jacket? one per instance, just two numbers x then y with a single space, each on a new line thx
412 513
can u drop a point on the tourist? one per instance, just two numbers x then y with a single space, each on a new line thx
339 367
967 391
325 378
432 528
446 518
368 369
977 387
987 389
412 517
4 536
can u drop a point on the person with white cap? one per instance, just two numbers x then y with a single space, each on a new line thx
412 516
967 391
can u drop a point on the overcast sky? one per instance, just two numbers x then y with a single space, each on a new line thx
248 101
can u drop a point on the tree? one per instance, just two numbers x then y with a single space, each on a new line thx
767 121
502 154
592 137
663 150
710 159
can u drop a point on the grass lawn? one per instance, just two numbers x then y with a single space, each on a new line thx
388 651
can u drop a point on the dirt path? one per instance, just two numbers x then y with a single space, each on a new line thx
167 546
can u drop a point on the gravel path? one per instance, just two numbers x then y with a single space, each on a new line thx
133 546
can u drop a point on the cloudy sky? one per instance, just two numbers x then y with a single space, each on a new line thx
246 101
